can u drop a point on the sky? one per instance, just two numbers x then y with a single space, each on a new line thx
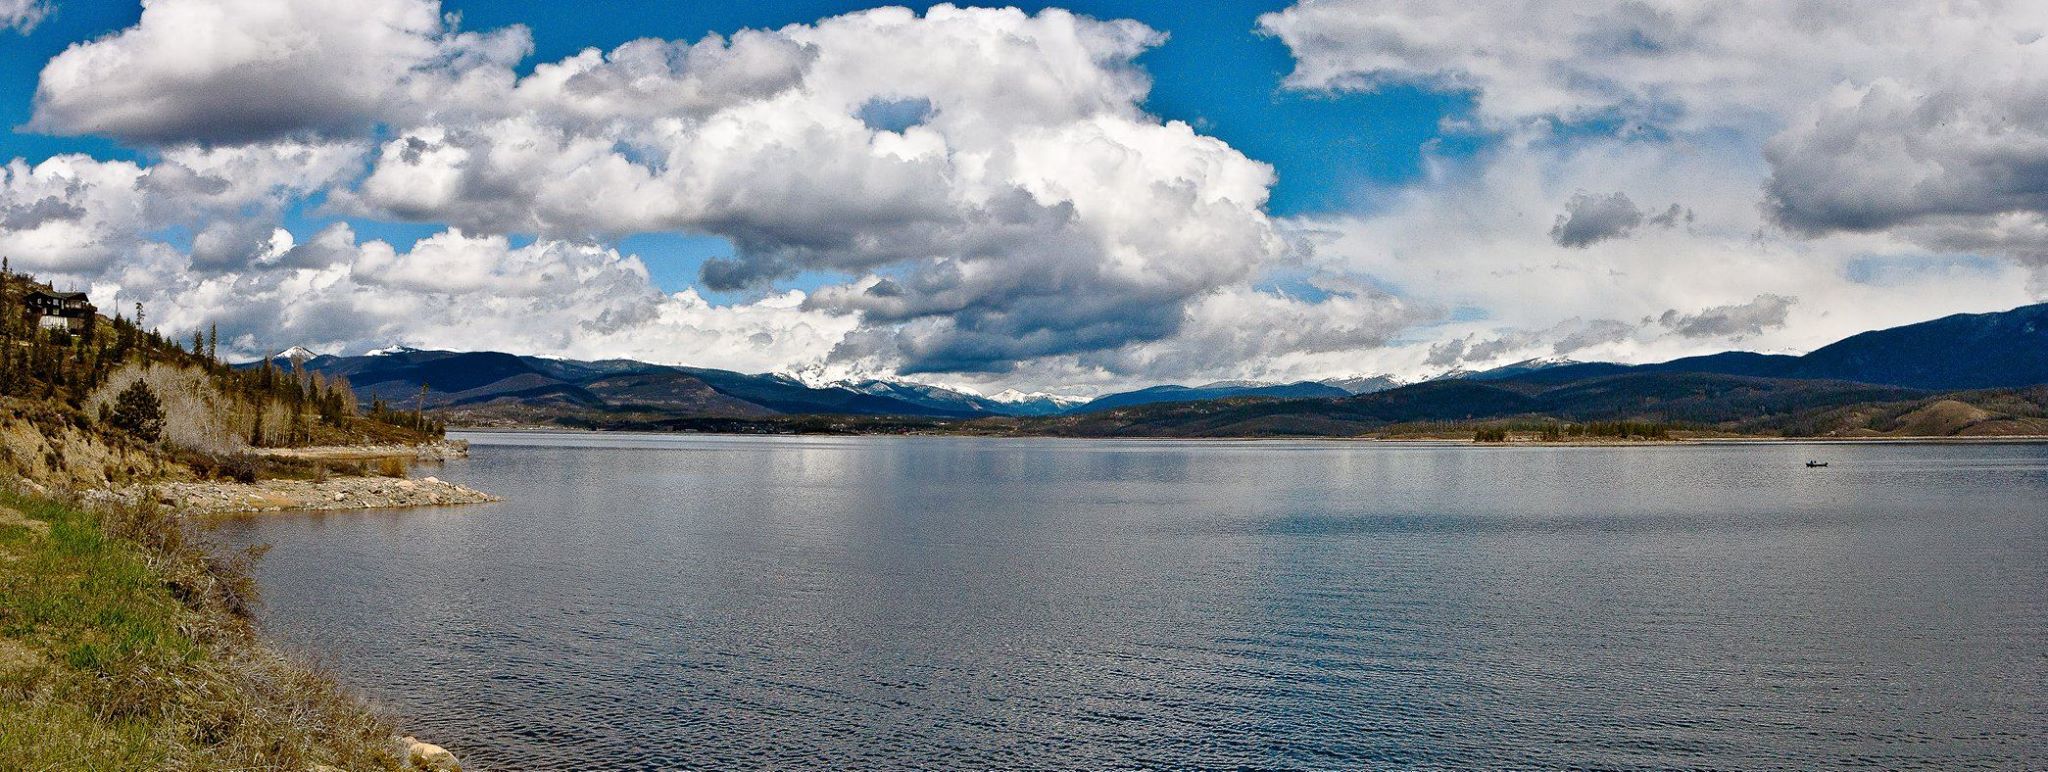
1070 198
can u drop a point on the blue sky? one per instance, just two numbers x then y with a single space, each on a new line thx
1217 72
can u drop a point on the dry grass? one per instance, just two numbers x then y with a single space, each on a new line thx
390 467
53 445
125 645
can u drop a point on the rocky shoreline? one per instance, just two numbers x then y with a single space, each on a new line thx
348 487
425 452
333 493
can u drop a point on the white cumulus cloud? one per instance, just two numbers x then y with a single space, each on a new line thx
1028 208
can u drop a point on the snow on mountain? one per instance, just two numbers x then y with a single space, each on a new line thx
1014 397
295 354
1523 367
1365 384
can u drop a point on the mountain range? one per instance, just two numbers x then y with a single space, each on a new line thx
1958 353
1962 375
493 383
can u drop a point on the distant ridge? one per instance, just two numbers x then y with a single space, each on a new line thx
1218 390
2005 349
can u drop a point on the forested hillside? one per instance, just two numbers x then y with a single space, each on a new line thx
117 401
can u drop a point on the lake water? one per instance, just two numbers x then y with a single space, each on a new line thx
647 602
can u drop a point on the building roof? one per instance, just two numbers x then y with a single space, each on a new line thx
58 295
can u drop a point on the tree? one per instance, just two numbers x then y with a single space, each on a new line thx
137 411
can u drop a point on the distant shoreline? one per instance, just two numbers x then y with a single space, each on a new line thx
2012 440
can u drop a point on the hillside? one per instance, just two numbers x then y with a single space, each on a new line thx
1964 351
64 417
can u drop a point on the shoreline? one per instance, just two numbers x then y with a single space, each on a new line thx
350 487
214 499
1720 440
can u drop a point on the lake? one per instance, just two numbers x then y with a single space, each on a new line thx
664 602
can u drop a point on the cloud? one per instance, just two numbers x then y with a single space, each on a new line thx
1474 236
1887 115
1589 218
1962 151
70 213
985 180
1766 312
241 70
78 215
981 187
1580 335
455 290
23 15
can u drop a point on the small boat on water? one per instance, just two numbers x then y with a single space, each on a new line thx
1816 464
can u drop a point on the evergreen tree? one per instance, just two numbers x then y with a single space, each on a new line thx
137 411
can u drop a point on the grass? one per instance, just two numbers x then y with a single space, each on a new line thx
126 645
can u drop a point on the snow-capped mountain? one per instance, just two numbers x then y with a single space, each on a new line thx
1523 367
295 355
925 394
1037 403
1365 384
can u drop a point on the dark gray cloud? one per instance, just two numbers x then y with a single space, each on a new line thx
34 214
1766 312
1672 217
1589 219
1943 158
230 245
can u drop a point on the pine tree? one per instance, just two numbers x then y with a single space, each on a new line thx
137 411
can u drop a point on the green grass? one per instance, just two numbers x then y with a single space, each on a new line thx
125 646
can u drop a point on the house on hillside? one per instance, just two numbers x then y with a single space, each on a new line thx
69 311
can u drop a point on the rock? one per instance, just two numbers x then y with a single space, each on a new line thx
340 495
428 756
